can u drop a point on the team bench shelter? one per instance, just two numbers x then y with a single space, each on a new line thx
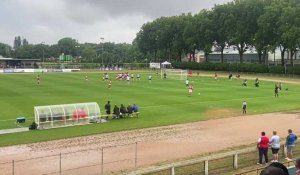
54 116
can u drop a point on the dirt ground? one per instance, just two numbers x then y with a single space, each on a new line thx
114 152
155 145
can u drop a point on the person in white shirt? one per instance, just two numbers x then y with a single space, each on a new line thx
187 83
150 78
275 146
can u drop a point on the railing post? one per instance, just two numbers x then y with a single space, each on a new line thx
102 161
206 167
13 167
59 163
135 162
235 161
173 170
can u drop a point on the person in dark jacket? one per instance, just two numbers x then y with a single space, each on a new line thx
116 112
122 111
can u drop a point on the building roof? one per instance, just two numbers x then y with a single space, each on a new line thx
16 59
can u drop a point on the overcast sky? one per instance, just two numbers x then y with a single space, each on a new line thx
87 20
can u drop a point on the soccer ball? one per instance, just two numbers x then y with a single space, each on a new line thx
199 93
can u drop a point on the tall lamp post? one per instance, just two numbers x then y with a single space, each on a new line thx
43 50
102 48
77 50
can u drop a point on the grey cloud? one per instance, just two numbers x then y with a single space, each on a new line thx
87 20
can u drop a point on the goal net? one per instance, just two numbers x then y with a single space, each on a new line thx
178 74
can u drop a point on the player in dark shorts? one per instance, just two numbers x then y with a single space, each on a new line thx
38 79
244 83
256 84
244 107
276 90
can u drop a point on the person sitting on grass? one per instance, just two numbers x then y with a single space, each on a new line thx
33 126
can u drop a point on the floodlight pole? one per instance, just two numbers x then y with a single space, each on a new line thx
43 50
102 49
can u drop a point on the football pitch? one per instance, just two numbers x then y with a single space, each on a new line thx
161 102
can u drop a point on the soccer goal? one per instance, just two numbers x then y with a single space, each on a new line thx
178 74
54 116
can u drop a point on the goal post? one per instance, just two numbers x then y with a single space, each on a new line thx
178 74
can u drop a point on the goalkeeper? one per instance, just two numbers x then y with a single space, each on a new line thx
165 75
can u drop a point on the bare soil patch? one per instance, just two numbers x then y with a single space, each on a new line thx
155 145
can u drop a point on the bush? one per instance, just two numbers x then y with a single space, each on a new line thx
255 68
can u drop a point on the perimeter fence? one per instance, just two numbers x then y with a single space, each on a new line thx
128 159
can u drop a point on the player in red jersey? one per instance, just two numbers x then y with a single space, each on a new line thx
109 84
191 90
216 76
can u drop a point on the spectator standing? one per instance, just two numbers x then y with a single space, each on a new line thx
275 146
290 144
263 145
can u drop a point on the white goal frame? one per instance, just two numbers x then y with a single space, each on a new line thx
174 73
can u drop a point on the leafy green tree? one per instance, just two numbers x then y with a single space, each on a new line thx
5 50
244 19
290 27
221 26
67 46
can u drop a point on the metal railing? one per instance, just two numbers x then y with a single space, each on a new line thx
128 159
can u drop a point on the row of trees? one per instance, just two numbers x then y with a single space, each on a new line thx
107 53
263 24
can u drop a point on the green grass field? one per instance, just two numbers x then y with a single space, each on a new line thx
162 102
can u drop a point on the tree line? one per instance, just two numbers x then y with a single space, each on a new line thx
107 53
261 24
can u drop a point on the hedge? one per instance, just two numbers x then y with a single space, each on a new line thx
254 68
